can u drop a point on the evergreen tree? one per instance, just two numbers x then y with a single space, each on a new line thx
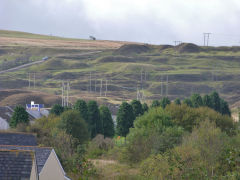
164 102
125 118
72 122
196 100
94 121
188 102
57 109
215 101
207 101
137 108
155 103
20 115
177 101
81 106
224 108
106 118
145 107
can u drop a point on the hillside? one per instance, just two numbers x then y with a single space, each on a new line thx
126 67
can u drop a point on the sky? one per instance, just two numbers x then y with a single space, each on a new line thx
147 21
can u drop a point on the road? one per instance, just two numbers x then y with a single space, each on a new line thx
38 62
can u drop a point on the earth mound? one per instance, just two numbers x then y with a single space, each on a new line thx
116 59
131 49
188 48
162 47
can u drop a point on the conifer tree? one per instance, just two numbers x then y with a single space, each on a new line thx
19 116
137 108
125 118
94 121
106 118
81 106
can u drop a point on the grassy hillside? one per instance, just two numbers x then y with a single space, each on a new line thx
188 68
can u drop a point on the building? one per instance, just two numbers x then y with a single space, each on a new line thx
15 164
44 159
34 106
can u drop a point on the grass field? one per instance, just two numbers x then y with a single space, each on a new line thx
189 68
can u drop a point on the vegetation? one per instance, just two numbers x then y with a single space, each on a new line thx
125 118
94 121
20 116
167 141
57 109
106 119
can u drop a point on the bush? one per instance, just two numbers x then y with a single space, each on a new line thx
152 133
99 145
19 116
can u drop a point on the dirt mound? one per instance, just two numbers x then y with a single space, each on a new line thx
188 48
131 49
162 47
116 59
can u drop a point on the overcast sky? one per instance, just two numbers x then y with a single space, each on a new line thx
148 21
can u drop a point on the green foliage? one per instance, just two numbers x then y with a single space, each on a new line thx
53 131
72 122
188 118
207 101
125 118
196 100
19 116
99 145
177 101
57 109
224 108
188 102
106 119
155 103
164 102
145 107
81 106
152 132
137 108
94 121
196 158
215 100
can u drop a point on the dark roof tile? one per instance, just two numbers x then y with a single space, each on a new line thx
16 164
41 153
19 139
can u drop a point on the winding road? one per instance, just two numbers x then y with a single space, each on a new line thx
38 62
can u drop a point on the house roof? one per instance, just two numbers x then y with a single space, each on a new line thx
16 164
20 139
41 153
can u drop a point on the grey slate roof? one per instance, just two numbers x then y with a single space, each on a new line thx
20 139
41 153
15 164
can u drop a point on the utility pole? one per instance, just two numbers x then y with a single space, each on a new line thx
206 37
62 93
95 86
90 82
106 89
167 87
141 79
161 85
101 89
29 80
68 88
176 43
34 79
